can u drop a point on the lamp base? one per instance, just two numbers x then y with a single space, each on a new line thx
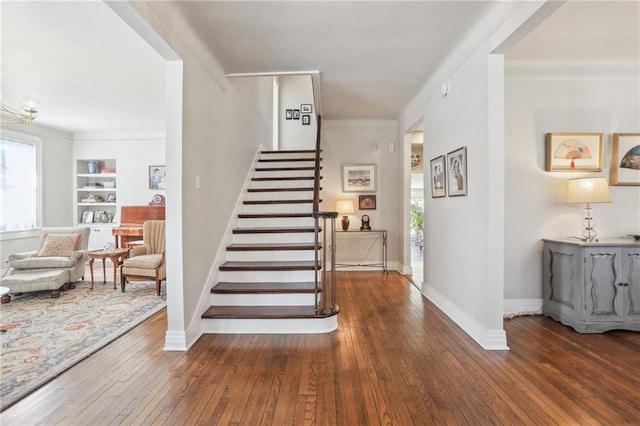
345 223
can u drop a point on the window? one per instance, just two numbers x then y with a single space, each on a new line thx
19 185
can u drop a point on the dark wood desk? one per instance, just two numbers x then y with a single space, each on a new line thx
132 218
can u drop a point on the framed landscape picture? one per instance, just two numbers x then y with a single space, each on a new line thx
438 177
574 152
358 178
457 181
625 159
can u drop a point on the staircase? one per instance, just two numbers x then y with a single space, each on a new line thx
270 281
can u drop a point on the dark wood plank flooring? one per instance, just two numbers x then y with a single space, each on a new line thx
395 360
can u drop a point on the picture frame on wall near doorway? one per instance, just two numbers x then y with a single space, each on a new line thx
457 181
438 177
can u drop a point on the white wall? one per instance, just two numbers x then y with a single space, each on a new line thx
365 141
223 124
537 104
134 153
464 236
296 90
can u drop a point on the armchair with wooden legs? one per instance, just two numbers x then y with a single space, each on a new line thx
148 260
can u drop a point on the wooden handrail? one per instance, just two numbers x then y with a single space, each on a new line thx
316 176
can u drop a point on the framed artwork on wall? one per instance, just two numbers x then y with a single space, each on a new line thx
288 114
358 178
157 177
305 108
296 114
367 202
457 181
625 159
438 177
574 152
306 119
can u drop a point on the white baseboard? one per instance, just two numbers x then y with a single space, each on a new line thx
517 307
489 339
175 341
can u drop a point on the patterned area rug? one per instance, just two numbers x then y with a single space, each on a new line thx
47 336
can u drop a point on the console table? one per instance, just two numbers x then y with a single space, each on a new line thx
592 287
359 234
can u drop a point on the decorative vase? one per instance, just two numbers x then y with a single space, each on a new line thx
92 166
345 223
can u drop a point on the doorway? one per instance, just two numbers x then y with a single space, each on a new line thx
416 207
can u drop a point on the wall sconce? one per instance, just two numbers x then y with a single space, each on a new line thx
345 208
587 191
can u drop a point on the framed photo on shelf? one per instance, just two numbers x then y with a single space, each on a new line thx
457 172
87 216
438 177
625 159
358 178
157 177
367 202
574 152
305 108
111 198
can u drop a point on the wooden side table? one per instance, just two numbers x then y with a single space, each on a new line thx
116 256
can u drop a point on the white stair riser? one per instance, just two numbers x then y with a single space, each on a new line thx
277 195
270 255
284 163
270 326
266 276
282 299
277 208
299 237
274 222
281 173
302 183
284 155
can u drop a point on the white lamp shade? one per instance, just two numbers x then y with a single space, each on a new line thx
588 190
344 207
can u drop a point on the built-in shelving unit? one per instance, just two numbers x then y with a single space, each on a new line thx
96 191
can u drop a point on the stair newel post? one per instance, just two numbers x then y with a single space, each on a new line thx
315 256
333 262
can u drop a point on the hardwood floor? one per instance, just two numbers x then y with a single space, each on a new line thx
396 359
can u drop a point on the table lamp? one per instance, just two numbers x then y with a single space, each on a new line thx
587 191
345 207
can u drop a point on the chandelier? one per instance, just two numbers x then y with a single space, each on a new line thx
25 114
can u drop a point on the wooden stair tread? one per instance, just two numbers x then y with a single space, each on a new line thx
291 151
272 247
272 230
278 201
309 265
263 287
296 189
285 159
272 215
264 312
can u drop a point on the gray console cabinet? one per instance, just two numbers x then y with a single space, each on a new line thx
592 287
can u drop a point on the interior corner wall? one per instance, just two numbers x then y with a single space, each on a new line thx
296 90
224 122
365 141
457 254
538 104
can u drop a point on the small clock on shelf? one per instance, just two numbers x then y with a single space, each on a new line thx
365 223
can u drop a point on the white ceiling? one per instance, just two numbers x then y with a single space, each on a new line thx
91 72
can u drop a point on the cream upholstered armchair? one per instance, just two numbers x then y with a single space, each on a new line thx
58 249
147 261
